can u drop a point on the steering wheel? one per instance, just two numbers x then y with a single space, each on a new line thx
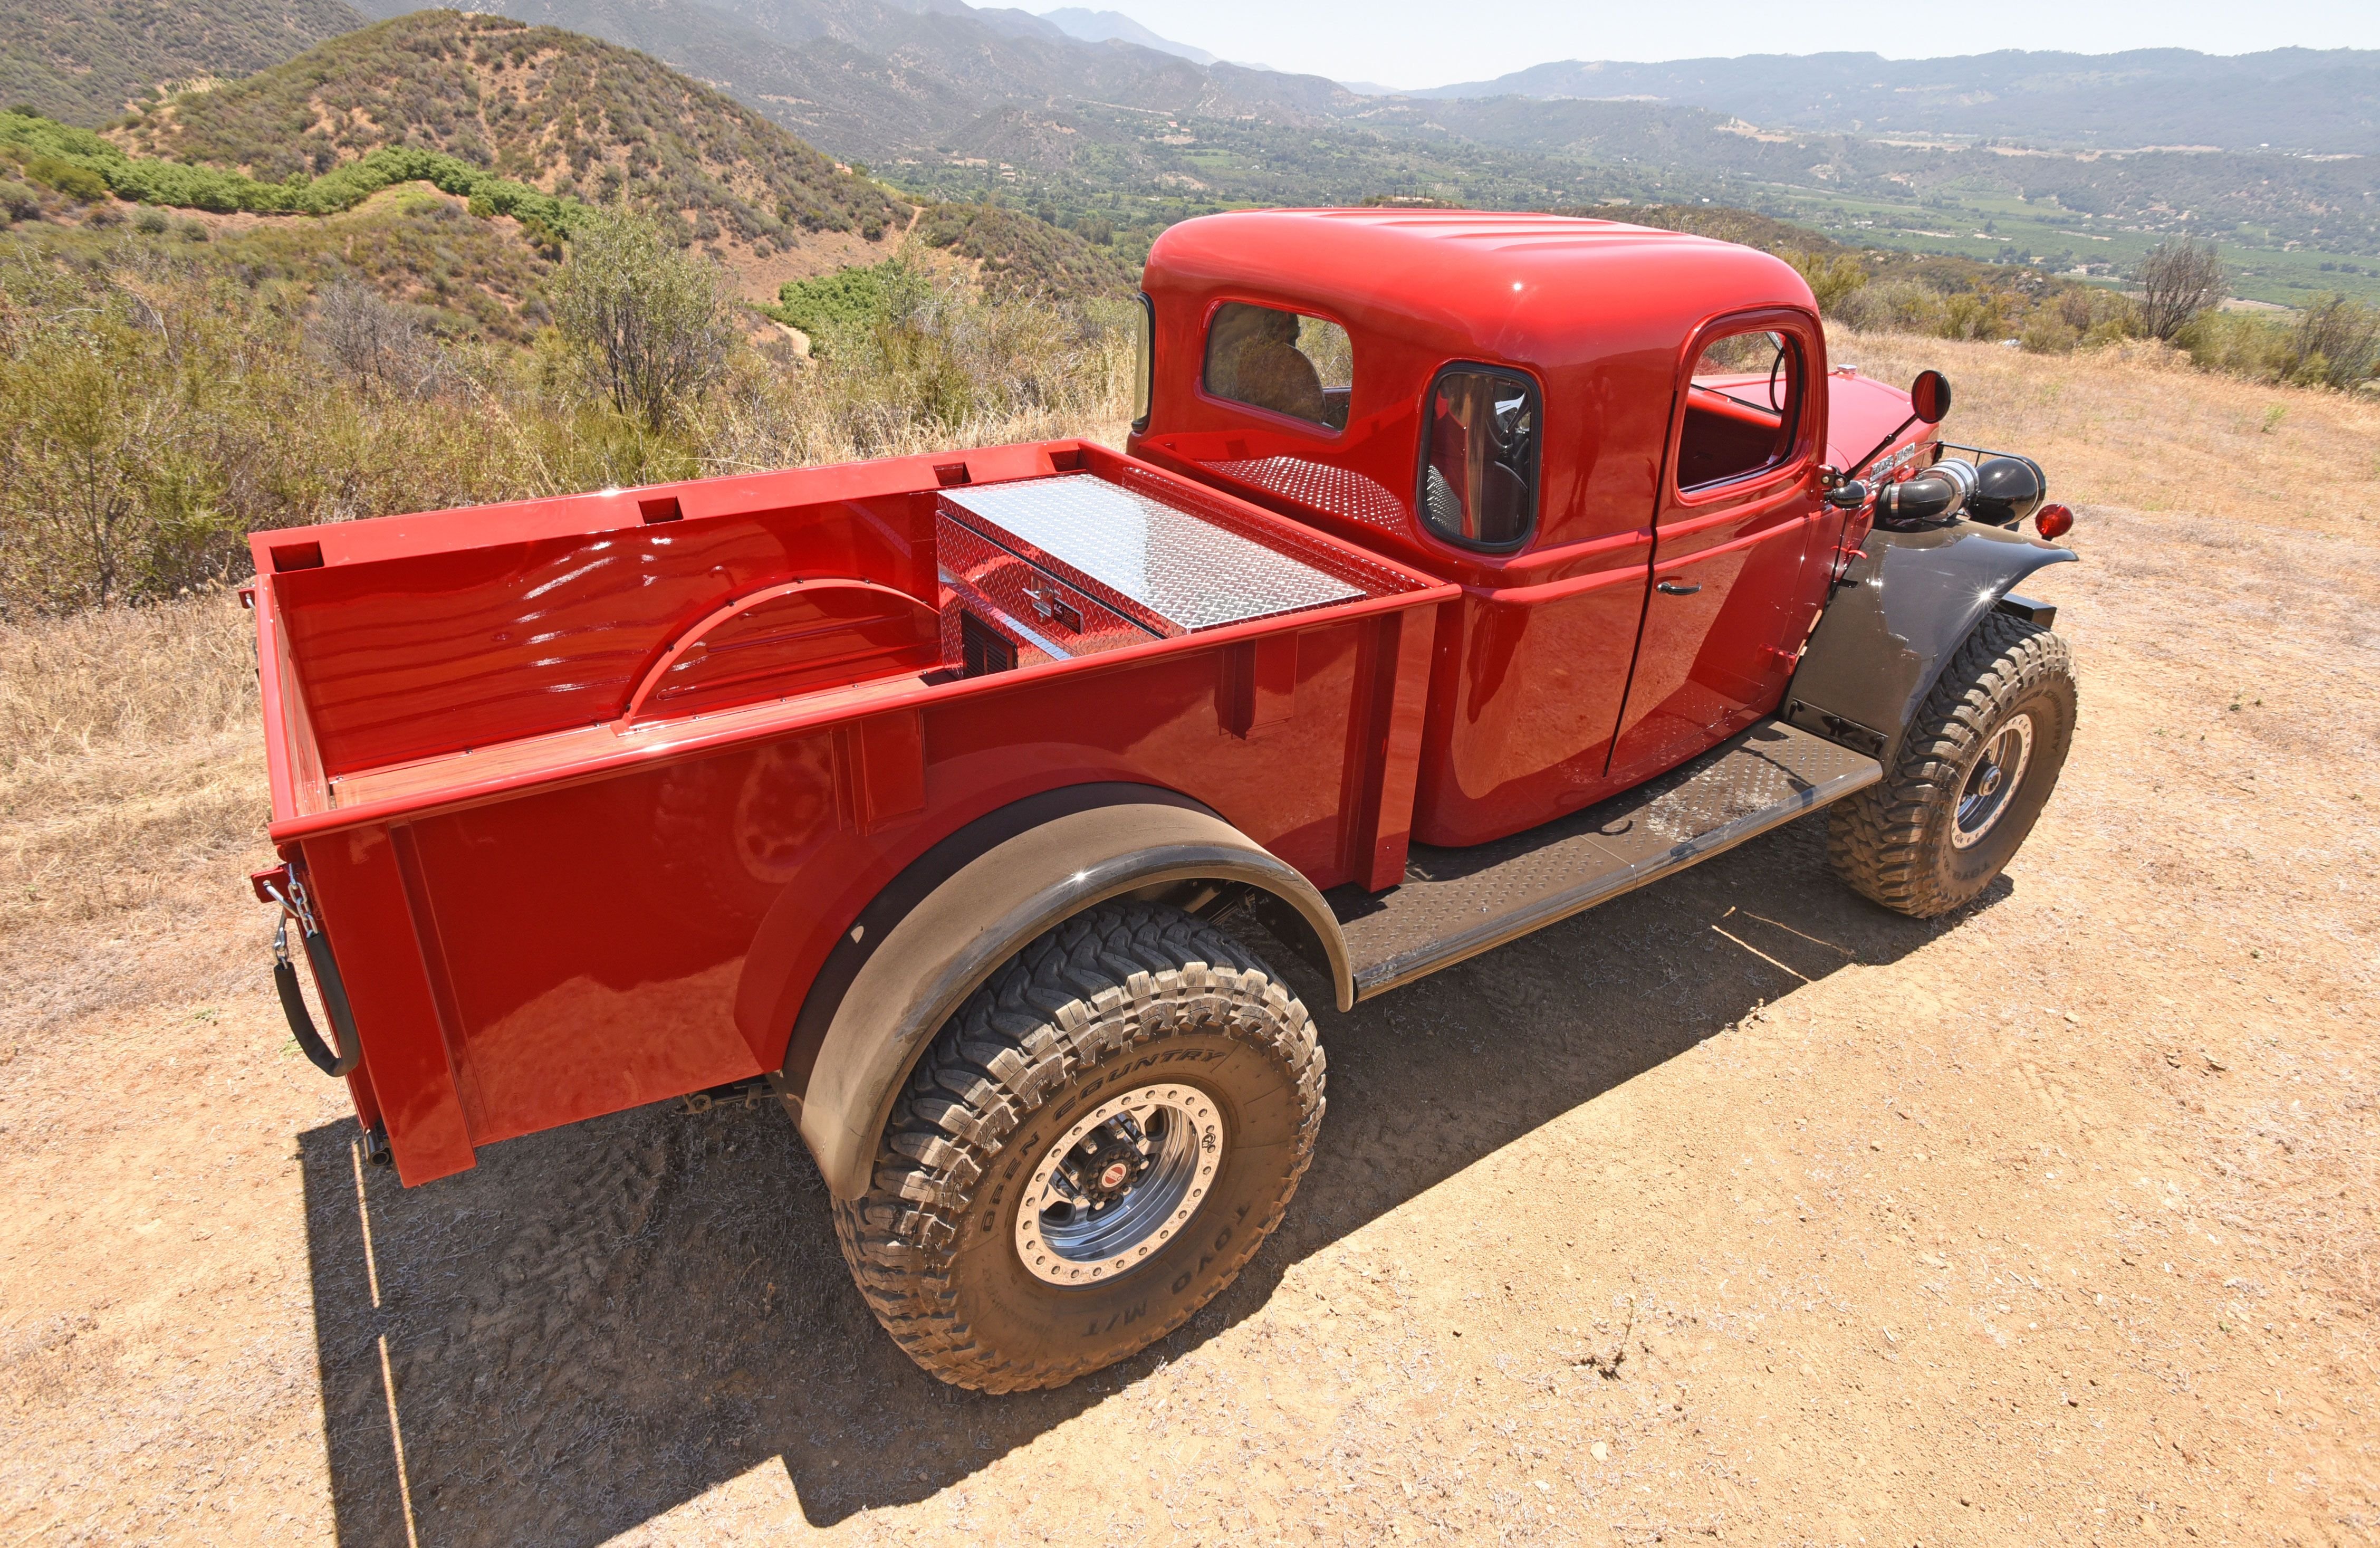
1776 366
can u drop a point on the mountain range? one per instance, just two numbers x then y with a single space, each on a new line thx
2289 99
959 100
1098 26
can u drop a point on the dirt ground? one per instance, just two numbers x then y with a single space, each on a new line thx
1736 1208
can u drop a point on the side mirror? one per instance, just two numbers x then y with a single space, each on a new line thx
1929 396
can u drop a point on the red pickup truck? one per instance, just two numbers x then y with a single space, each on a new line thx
1463 571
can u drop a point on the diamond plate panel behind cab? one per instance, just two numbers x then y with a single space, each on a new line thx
1457 903
1170 571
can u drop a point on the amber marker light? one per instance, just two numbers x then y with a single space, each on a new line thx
2054 521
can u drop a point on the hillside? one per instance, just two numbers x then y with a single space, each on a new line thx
1019 254
1097 26
81 61
566 114
949 103
873 80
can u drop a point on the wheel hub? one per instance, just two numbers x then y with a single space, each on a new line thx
1113 1166
2000 768
1119 1184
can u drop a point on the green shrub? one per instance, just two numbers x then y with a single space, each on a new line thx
830 307
18 200
58 156
1974 315
74 181
2335 343
2047 334
650 320
1893 306
1830 279
2237 344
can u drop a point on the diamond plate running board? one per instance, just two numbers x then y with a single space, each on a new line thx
1457 903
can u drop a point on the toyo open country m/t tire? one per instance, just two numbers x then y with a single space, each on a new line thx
1135 1050
1972 776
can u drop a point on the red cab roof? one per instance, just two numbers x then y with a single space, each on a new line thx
1528 288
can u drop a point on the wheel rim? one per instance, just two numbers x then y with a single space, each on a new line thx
1992 783
1119 1185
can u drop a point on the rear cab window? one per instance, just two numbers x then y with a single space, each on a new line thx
1742 403
1480 457
1286 362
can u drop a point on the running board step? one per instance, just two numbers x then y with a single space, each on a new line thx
1457 903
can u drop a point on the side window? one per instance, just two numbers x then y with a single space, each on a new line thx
1282 361
1480 457
1741 407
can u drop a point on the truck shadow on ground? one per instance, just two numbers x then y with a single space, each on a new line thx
601 1323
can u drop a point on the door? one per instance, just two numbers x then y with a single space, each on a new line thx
1740 509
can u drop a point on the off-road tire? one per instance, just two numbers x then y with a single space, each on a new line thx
1124 994
1892 841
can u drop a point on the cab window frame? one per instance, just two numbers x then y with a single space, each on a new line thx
1319 429
1527 380
1143 366
1802 335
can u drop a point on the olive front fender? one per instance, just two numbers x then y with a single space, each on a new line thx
1900 613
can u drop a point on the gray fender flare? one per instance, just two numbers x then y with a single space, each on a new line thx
947 922
1899 613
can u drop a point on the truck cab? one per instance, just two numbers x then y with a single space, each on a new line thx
1611 438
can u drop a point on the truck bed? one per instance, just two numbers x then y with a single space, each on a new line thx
586 788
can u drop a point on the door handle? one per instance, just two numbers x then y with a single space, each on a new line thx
1677 588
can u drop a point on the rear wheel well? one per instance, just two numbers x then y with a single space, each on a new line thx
963 908
1217 898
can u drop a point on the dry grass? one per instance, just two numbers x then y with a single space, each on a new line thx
131 791
125 678
2136 426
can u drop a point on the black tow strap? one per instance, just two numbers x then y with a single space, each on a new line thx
329 1061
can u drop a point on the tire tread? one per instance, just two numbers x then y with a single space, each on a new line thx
1108 981
1882 840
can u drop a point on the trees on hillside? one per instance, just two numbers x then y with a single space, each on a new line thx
2178 279
654 321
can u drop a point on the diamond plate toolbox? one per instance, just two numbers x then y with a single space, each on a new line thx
1074 565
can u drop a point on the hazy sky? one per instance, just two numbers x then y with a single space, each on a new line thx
1435 43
